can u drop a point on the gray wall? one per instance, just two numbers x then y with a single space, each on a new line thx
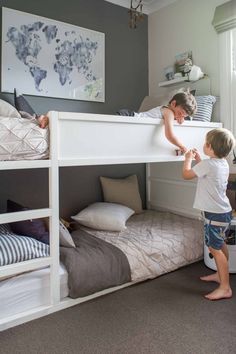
79 186
126 74
126 52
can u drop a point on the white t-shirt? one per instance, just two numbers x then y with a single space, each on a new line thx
212 183
152 113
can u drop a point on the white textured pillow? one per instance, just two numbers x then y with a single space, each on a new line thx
65 237
104 216
7 110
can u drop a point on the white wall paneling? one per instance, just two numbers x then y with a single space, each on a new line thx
170 193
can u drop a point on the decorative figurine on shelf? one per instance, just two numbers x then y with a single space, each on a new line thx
195 73
169 72
183 63
188 66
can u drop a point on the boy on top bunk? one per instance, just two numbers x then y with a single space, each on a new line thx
181 105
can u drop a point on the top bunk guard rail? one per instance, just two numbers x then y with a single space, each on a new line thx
25 266
97 139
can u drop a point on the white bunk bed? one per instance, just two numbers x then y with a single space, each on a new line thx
78 139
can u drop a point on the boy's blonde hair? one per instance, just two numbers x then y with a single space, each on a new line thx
221 140
186 100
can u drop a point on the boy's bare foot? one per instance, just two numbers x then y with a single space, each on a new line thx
211 277
43 121
219 294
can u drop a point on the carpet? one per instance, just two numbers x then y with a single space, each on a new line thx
167 315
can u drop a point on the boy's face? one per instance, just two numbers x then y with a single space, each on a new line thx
179 112
207 149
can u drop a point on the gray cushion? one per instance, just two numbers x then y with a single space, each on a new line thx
204 108
35 228
15 248
22 104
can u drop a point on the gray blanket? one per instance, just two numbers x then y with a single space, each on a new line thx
93 265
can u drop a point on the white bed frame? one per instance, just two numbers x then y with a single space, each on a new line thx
78 139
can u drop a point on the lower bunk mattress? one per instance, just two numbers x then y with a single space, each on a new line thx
28 291
154 243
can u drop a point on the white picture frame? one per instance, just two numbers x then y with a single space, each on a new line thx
44 57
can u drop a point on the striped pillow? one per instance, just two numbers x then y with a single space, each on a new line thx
204 108
15 248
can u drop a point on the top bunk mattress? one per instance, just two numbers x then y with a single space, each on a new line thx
22 139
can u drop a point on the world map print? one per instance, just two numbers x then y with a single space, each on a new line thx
50 58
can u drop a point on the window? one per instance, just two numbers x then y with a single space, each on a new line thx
227 60
224 22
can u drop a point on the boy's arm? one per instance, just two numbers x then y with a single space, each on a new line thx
169 121
188 173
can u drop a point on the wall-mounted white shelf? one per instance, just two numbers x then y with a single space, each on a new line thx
172 82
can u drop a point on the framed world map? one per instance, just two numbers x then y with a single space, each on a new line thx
49 58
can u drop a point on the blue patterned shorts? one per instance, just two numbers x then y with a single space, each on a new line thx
214 234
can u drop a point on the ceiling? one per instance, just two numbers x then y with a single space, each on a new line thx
149 6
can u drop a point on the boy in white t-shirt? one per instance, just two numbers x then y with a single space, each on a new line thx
211 199
181 105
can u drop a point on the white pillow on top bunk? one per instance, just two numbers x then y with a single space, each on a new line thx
7 110
104 216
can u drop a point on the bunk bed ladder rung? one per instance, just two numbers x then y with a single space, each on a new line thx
25 215
22 317
24 164
26 266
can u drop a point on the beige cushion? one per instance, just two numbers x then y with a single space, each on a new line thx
104 216
150 102
122 191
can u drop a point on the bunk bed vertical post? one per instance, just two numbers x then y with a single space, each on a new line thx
54 206
148 185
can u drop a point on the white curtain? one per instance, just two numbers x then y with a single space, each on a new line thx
225 16
227 61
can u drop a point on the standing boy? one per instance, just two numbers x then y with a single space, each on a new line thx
211 199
